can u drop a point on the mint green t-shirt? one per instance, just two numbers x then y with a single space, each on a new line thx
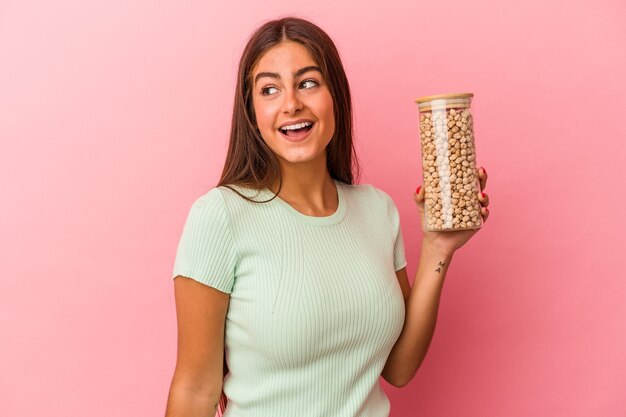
315 306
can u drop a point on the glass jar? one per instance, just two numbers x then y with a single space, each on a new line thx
451 183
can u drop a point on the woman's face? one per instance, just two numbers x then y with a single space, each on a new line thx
287 87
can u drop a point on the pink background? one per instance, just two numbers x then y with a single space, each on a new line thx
114 117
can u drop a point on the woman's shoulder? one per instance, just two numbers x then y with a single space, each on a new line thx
223 194
207 204
368 191
213 194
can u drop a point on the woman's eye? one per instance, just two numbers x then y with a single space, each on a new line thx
264 90
309 81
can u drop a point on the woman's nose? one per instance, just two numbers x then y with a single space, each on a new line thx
291 101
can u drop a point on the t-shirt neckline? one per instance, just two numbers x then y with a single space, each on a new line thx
330 220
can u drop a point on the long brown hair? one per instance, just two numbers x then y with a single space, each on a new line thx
250 162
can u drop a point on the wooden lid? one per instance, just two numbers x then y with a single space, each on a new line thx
443 96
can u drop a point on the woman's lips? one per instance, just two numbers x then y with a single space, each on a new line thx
301 135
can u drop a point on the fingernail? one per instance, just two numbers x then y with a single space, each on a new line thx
483 194
417 191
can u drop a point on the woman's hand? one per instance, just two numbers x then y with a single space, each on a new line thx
448 242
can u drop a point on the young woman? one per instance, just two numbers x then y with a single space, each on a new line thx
292 296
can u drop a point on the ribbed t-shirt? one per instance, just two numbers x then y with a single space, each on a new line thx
315 306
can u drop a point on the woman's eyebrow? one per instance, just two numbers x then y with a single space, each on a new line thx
295 74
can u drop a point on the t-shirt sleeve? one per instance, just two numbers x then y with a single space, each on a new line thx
399 259
206 251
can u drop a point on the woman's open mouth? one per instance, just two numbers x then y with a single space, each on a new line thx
296 135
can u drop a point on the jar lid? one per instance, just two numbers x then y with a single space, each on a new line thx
440 96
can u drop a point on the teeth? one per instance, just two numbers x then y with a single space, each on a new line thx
296 126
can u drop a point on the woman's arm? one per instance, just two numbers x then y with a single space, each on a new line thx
197 382
422 305
186 403
422 301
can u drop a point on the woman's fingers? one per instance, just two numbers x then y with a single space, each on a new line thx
484 202
483 198
485 212
482 176
418 195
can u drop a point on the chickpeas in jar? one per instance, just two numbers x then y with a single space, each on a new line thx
451 183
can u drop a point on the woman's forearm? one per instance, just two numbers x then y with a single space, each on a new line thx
421 316
186 403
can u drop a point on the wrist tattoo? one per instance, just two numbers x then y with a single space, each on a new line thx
441 265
